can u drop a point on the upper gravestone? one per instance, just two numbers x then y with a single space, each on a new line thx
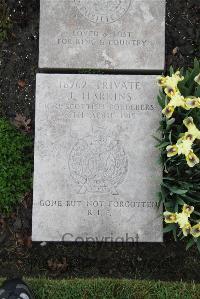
102 34
96 166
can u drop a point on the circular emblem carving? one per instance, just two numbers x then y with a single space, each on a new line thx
98 163
103 11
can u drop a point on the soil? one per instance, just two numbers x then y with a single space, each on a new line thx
18 255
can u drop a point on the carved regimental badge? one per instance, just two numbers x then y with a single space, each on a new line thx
98 163
103 11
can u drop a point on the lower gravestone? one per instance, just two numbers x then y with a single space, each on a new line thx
96 167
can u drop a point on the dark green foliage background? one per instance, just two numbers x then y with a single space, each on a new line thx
5 23
181 184
16 165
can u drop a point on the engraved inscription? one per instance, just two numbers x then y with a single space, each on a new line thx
103 11
98 163
93 152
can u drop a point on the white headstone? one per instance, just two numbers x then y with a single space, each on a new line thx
102 34
96 168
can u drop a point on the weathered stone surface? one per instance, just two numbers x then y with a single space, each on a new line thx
101 34
96 167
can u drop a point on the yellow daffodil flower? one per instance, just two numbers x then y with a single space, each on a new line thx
192 102
161 81
186 229
188 210
170 217
177 77
170 86
195 230
184 146
192 159
188 136
173 80
177 101
168 111
192 129
182 219
171 91
197 79
172 150
185 143
170 83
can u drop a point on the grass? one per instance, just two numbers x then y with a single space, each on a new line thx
5 22
111 288
16 165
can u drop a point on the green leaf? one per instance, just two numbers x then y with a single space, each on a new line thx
190 243
169 228
175 190
180 202
168 179
197 91
198 244
161 102
171 70
196 213
169 206
161 98
175 233
171 121
160 199
189 198
196 64
176 207
162 145
178 191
